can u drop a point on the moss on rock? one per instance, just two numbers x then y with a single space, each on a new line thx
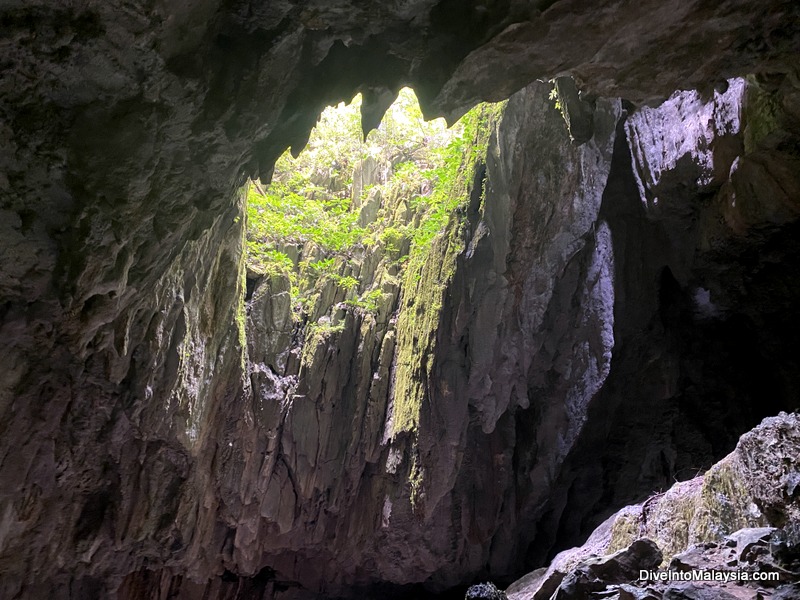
762 115
704 509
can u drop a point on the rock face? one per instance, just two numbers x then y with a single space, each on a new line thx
674 382
485 591
592 339
715 524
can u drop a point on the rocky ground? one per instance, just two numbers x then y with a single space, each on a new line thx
694 527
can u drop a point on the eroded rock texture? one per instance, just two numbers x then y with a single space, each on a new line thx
590 342
726 521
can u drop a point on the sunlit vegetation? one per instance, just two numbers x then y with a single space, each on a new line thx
345 199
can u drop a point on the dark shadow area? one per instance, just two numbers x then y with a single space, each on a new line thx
698 361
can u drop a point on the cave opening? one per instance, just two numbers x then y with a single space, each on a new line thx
366 258
433 358
347 214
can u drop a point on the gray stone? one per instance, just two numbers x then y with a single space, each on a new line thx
750 541
787 592
691 591
485 591
595 575
630 592
577 112
145 452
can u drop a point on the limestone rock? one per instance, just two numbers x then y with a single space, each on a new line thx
484 591
691 591
787 592
770 455
141 456
592 571
595 575
578 113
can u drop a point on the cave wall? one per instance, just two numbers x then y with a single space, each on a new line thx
575 343
690 328
707 523
125 409
556 345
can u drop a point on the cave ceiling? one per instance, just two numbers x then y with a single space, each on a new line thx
126 129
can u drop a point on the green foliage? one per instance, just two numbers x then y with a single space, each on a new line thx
559 102
349 219
437 243
424 173
453 174
309 199
319 267
324 329
272 259
392 239
346 283
369 302
555 97
285 215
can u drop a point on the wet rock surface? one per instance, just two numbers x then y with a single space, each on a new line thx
590 345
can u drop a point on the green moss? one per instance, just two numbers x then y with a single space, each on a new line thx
691 512
317 335
668 517
241 315
432 263
368 302
762 112
678 513
725 503
625 530
415 236
416 481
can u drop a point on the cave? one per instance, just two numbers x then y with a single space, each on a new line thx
595 340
